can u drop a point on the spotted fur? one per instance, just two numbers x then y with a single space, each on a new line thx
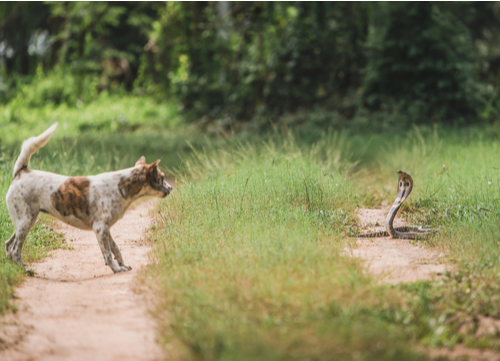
90 203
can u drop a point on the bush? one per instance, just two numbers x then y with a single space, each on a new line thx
59 86
421 63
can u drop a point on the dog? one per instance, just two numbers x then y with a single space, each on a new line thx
89 203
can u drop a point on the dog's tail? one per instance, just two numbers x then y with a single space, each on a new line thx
30 146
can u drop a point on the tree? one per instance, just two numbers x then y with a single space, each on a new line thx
420 62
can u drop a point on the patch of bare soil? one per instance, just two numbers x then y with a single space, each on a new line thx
464 353
394 260
397 260
75 308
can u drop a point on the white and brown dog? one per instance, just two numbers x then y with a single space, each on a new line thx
89 203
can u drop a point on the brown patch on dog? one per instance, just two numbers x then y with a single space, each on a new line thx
141 161
72 198
131 186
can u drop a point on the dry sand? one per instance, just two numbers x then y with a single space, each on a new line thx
395 260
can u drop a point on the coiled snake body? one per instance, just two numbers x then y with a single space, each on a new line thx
405 186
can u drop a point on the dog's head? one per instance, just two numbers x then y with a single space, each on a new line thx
145 180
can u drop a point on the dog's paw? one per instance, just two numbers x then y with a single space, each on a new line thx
123 268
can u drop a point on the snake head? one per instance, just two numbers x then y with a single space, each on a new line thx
405 185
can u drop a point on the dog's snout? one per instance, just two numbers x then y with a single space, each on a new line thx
168 189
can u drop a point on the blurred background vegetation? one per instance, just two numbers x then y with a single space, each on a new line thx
253 65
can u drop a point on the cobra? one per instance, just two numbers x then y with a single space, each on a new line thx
405 186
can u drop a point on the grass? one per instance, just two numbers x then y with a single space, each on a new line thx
250 249
251 262
458 190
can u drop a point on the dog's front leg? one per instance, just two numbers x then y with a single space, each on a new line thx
117 253
103 235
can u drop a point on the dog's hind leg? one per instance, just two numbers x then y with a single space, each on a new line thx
8 244
23 217
117 253
22 229
103 235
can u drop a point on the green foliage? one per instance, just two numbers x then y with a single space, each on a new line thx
421 63
231 63
313 57
21 23
261 59
60 86
94 35
111 113
94 46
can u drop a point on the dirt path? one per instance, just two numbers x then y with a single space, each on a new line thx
395 260
75 308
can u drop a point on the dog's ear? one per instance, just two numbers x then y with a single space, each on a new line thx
153 167
155 163
141 161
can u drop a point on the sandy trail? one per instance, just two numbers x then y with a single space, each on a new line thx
75 308
395 260
399 260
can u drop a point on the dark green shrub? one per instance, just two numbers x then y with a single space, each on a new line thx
420 63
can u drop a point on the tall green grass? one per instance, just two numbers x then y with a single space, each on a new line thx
457 188
251 262
106 114
249 248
